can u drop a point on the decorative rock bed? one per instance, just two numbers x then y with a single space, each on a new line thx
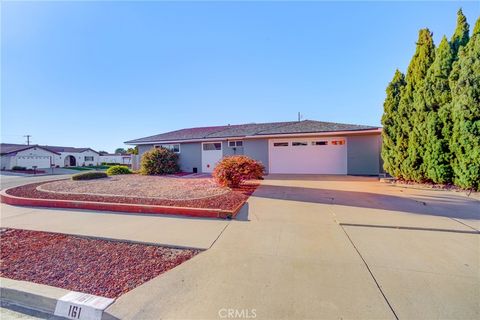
198 197
99 267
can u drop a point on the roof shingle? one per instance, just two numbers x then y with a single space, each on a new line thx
252 129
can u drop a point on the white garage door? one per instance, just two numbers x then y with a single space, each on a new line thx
308 155
30 161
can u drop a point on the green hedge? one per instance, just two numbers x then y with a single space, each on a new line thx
89 175
114 170
19 168
159 161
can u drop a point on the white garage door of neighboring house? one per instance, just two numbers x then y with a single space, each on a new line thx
308 155
30 161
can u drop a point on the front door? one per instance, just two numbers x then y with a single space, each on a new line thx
211 154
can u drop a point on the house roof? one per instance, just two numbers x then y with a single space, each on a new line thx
10 148
7 148
252 129
126 155
68 149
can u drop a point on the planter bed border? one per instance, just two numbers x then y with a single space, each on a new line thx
119 207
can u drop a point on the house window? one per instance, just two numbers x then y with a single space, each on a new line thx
172 147
280 144
299 143
319 143
338 142
212 146
237 143
90 158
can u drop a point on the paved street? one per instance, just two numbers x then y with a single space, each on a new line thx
305 247
9 179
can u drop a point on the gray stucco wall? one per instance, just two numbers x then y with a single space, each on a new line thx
230 151
257 149
190 155
363 155
142 148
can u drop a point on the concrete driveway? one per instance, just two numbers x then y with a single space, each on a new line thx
318 247
324 247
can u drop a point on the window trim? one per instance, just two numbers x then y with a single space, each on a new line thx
169 144
299 143
281 144
317 143
212 142
235 143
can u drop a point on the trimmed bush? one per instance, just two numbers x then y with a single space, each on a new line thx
114 170
90 175
233 170
19 168
159 161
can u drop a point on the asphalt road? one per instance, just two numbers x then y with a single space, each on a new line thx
9 180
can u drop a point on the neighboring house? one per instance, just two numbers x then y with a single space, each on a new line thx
25 156
46 156
71 156
283 147
115 158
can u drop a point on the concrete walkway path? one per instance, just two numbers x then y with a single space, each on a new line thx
293 258
154 228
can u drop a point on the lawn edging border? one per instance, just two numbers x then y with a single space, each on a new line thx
119 207
35 296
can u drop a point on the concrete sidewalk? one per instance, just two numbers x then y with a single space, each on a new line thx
153 228
294 260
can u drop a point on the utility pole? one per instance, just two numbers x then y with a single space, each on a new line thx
299 116
28 138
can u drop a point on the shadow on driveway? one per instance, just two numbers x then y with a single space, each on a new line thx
423 203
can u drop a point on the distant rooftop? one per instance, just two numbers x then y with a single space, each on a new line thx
7 148
252 129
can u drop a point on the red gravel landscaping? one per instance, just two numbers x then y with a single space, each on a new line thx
99 267
228 200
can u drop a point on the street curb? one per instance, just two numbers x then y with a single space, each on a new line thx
34 296
119 207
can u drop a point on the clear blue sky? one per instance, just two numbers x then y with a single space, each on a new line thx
96 74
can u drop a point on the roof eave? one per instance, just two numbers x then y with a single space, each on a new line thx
256 136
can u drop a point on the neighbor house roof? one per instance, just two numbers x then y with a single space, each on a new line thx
68 149
7 148
10 148
116 154
252 129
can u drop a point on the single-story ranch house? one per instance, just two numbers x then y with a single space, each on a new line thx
29 156
283 147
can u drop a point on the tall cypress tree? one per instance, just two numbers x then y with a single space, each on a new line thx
460 36
412 110
465 141
391 124
437 98
476 29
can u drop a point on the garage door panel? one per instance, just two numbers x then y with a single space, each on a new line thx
312 155
30 161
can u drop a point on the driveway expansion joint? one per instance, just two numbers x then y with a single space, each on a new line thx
371 273
332 213
408 228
